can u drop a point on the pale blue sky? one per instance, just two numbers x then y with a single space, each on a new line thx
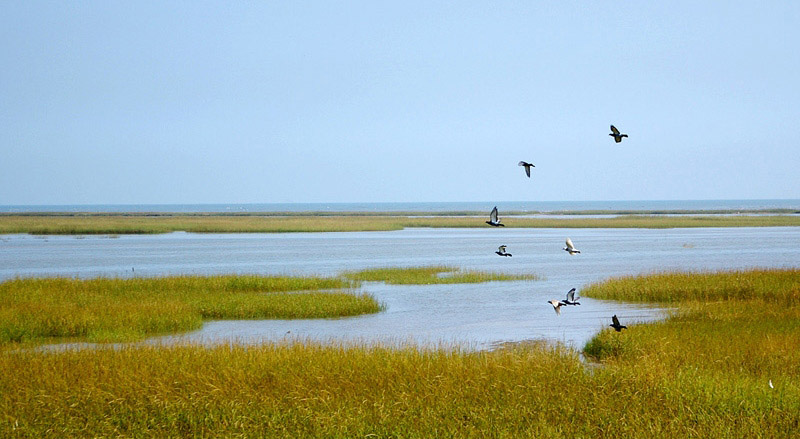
112 102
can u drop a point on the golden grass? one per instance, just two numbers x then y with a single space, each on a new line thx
131 309
110 224
770 285
112 309
731 334
429 275
323 391
702 373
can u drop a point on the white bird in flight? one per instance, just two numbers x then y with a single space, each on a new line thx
556 305
570 248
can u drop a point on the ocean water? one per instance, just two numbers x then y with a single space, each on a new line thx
535 206
476 316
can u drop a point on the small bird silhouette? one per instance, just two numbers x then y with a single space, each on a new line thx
502 251
570 248
556 305
616 134
616 325
571 300
528 167
493 220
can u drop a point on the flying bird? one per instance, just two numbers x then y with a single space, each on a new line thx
571 300
502 251
528 167
570 248
616 325
556 305
616 134
493 221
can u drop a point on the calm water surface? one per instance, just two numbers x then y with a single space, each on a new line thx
471 315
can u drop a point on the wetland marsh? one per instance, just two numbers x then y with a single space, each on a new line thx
438 359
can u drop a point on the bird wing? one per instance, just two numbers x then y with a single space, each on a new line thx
618 138
615 320
614 130
527 167
493 215
569 244
571 295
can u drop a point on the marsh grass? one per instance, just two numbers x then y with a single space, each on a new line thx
296 390
116 224
429 275
730 334
773 286
703 372
106 309
115 310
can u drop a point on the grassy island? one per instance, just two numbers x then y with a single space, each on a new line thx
102 310
115 309
116 224
430 275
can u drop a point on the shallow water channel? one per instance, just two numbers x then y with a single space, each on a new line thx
473 316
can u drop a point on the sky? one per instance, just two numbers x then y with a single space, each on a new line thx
173 102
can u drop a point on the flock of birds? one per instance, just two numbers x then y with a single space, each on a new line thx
494 221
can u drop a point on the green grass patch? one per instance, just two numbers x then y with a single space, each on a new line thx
131 309
429 275
116 224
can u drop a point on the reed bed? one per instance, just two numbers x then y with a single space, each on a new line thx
105 309
116 224
430 275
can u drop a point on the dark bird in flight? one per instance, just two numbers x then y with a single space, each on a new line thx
571 299
528 167
570 248
502 251
556 305
616 325
616 134
493 221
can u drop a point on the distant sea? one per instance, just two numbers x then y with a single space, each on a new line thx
508 206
